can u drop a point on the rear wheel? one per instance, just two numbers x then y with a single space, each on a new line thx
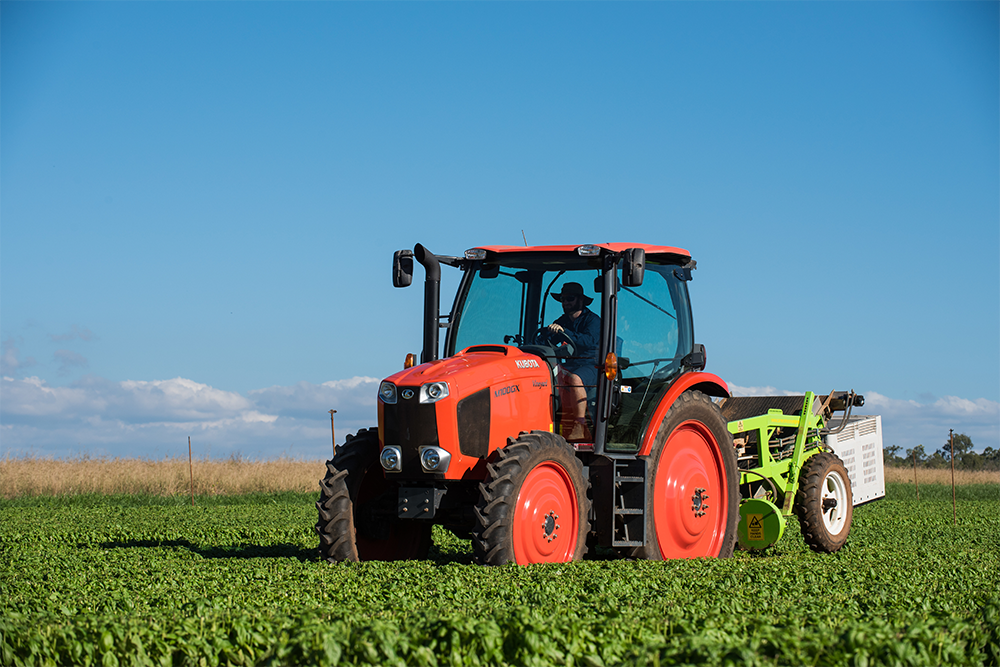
824 503
357 509
692 507
533 505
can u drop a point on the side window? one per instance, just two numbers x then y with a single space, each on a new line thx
650 336
491 312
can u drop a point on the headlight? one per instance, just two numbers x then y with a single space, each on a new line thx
387 392
434 459
433 392
390 459
430 459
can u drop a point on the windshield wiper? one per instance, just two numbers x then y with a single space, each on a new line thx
631 291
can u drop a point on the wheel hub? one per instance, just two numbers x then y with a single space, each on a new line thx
550 526
698 504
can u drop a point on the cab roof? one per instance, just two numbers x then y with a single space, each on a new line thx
610 247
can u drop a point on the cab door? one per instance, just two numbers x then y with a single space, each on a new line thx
653 333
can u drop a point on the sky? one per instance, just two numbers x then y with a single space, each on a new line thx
199 202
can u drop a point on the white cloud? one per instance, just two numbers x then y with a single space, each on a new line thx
927 423
307 400
176 400
83 333
179 399
950 406
10 358
154 418
32 397
737 390
68 360
908 423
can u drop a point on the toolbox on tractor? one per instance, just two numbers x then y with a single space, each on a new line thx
570 410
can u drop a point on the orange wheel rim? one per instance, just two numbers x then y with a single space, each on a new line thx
546 517
690 511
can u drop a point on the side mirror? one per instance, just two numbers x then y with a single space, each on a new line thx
402 268
633 267
697 359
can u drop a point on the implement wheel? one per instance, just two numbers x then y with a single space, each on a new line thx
824 503
692 493
533 505
357 509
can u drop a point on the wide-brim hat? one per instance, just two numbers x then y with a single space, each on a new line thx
573 289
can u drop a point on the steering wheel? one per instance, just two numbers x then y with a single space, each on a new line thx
561 342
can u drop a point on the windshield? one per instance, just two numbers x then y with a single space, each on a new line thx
653 331
509 304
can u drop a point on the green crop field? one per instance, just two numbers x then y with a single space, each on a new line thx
122 580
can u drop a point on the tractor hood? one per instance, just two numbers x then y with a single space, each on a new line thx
468 405
474 368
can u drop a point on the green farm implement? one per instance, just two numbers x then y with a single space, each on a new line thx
794 455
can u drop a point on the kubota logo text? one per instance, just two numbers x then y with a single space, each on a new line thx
526 363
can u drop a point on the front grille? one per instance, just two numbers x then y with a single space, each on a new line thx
474 424
410 424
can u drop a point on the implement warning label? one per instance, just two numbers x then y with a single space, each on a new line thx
755 527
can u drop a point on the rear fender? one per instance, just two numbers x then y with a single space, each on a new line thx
706 383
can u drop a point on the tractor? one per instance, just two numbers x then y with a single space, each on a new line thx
543 442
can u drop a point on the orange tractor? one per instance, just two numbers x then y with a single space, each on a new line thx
536 441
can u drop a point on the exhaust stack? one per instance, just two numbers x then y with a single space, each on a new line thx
432 302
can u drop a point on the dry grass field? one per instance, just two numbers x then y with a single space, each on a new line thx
31 476
165 477
941 476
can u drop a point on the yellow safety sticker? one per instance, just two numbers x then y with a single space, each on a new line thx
755 527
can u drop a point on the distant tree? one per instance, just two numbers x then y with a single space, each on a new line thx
991 459
965 457
918 453
963 444
969 461
937 460
890 456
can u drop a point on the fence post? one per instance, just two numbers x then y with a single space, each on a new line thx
191 471
954 509
333 433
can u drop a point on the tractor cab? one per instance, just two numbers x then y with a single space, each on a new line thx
644 338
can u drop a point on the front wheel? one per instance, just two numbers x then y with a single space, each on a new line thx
357 509
533 506
692 508
824 503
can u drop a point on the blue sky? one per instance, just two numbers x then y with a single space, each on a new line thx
199 201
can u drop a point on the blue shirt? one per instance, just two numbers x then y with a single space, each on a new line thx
585 332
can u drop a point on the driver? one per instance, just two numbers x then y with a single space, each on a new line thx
583 328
